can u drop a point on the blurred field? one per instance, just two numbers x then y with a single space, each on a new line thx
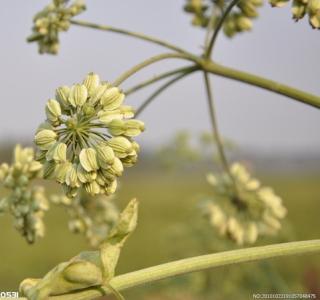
168 203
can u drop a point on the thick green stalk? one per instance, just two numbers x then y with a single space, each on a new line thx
261 82
195 264
157 78
160 90
129 33
148 62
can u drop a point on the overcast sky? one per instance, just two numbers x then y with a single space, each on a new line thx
277 48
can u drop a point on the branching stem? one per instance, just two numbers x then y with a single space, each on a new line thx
161 89
157 78
148 62
129 33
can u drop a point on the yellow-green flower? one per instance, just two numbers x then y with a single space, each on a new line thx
238 20
241 208
299 8
88 137
49 22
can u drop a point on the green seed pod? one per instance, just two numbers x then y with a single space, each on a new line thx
72 177
133 128
111 189
92 188
45 138
85 176
105 155
98 92
57 152
243 23
121 146
248 9
88 159
314 13
78 95
53 111
116 168
117 127
61 171
91 82
112 98
298 10
107 116
62 95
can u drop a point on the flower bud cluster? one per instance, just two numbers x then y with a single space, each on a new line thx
87 139
300 8
24 202
49 22
239 20
91 216
242 209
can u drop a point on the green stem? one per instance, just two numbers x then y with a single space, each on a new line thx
218 27
157 78
261 82
148 62
129 33
195 264
160 90
215 129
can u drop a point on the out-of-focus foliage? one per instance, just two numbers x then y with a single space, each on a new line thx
92 216
25 202
186 150
241 208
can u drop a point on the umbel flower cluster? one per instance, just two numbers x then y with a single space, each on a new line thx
88 137
91 216
242 209
26 203
300 8
239 20
49 22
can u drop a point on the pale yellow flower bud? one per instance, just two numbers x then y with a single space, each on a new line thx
53 111
57 152
45 138
78 95
112 98
105 155
121 146
91 82
88 159
62 95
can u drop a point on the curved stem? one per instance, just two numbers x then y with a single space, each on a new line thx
128 33
219 26
261 82
195 264
157 78
148 62
215 129
160 90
